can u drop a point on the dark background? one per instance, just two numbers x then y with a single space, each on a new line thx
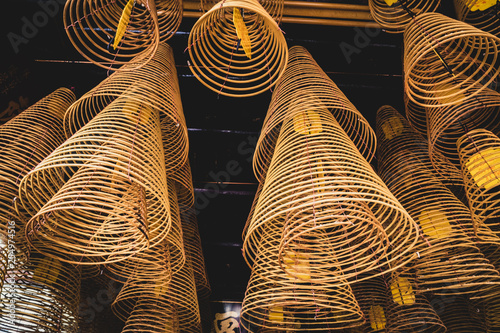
218 125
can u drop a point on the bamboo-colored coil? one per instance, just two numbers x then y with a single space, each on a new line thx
393 130
449 260
92 29
318 181
304 85
152 315
278 301
408 310
445 58
485 19
395 17
273 7
45 294
184 187
459 314
371 296
448 123
218 59
116 196
479 152
157 80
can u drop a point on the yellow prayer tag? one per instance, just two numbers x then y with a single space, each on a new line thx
402 291
308 122
377 317
47 271
160 288
484 167
392 128
242 32
136 111
434 223
297 265
390 2
123 23
276 314
481 4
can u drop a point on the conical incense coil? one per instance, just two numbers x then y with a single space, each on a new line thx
371 295
479 13
279 301
448 123
113 33
152 314
158 81
479 152
459 314
449 260
408 310
304 85
318 180
45 293
184 187
273 7
393 130
115 198
444 58
237 49
395 15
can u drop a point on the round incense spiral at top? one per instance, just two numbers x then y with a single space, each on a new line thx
473 13
237 49
445 58
395 17
112 33
273 7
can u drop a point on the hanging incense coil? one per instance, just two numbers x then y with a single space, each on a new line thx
459 314
479 152
473 13
394 130
304 85
275 300
395 17
371 295
158 81
115 199
183 186
45 293
448 123
449 260
318 181
113 33
237 58
445 58
273 7
152 315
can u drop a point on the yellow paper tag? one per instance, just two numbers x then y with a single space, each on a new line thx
276 314
161 288
123 23
392 128
297 264
47 271
308 122
390 2
136 111
377 317
481 5
402 291
242 32
484 167
434 223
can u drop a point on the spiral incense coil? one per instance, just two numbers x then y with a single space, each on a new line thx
371 295
447 124
273 7
318 181
252 209
473 13
237 49
459 314
304 85
152 315
395 17
407 310
113 33
45 293
449 260
479 152
115 199
158 81
445 58
279 301
184 187
393 130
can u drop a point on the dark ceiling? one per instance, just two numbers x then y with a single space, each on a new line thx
221 129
